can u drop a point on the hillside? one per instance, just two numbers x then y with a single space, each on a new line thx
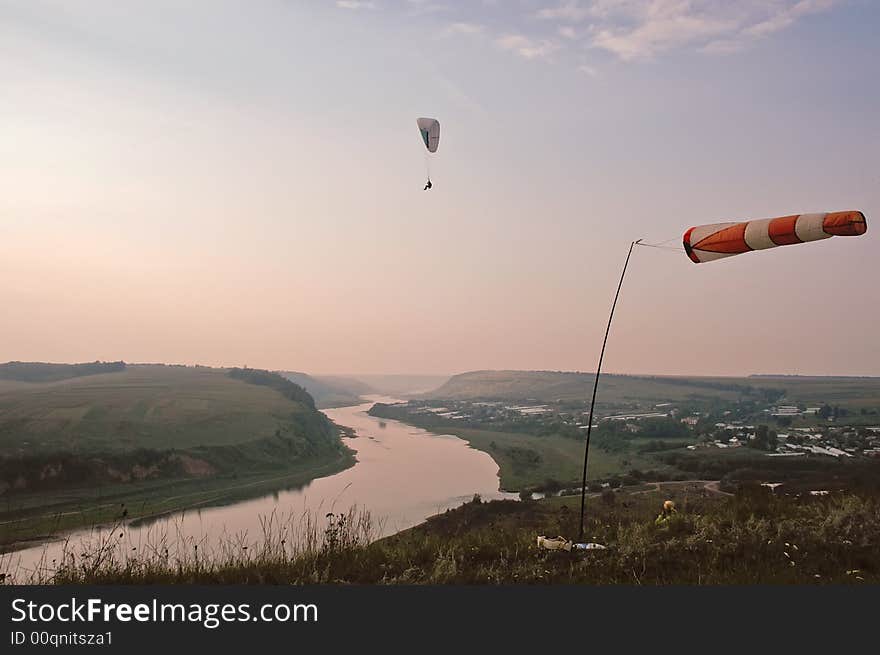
134 435
146 406
329 391
45 372
401 385
754 537
621 389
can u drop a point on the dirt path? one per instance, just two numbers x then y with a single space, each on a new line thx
710 486
713 487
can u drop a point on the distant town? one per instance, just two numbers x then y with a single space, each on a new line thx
779 430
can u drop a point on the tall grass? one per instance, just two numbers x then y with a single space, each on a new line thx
753 538
107 555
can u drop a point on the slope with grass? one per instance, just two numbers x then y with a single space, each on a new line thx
329 391
153 439
47 372
148 406
754 537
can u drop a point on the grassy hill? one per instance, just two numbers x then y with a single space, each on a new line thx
149 432
45 372
754 537
155 407
853 393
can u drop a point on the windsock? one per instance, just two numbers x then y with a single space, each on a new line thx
705 243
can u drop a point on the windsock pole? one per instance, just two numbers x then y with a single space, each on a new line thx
596 386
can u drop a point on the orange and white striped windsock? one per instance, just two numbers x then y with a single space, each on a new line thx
705 243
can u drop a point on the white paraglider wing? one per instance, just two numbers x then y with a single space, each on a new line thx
430 131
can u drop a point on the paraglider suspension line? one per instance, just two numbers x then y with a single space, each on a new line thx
596 387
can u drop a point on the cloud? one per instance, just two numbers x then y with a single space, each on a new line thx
422 7
572 12
464 28
588 70
787 16
724 46
635 29
660 34
355 4
526 47
628 30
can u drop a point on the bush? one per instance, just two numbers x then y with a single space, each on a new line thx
551 486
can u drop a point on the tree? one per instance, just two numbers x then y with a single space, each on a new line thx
761 438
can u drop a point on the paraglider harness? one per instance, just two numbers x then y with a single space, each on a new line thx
666 513
561 543
428 185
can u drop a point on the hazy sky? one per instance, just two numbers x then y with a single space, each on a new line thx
240 183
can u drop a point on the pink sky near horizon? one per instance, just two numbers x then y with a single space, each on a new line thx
186 186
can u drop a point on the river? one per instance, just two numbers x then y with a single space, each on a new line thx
402 476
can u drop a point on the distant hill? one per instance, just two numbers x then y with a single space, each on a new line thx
795 376
330 391
514 385
45 372
570 386
401 384
339 390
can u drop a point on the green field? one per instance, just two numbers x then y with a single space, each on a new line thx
151 439
558 459
532 462
142 407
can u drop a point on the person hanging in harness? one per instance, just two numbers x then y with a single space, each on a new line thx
666 513
427 185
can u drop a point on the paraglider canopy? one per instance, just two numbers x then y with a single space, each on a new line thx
430 130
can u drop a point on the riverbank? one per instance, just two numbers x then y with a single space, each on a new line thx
529 462
146 441
402 476
754 537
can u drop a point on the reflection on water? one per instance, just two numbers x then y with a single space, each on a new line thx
403 475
